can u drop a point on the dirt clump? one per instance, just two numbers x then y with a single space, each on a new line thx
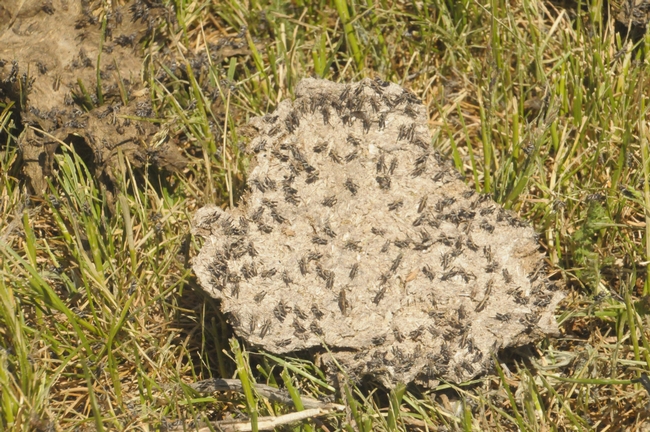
74 72
632 13
356 235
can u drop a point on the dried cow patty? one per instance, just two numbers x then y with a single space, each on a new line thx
357 235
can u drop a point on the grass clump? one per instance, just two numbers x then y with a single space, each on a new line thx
542 105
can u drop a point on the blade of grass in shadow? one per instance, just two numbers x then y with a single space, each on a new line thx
245 378
363 421
511 397
295 396
299 371
394 414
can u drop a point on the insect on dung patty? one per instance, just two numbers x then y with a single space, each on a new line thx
369 243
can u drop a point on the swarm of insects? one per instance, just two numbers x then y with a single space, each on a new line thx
387 257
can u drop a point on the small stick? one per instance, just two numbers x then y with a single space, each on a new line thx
264 423
315 408
271 393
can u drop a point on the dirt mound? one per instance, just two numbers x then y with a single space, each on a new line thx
357 235
75 71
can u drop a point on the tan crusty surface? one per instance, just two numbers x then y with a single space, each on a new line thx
358 236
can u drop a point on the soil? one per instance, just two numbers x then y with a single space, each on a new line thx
53 54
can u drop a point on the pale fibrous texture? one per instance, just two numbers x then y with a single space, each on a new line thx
357 236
